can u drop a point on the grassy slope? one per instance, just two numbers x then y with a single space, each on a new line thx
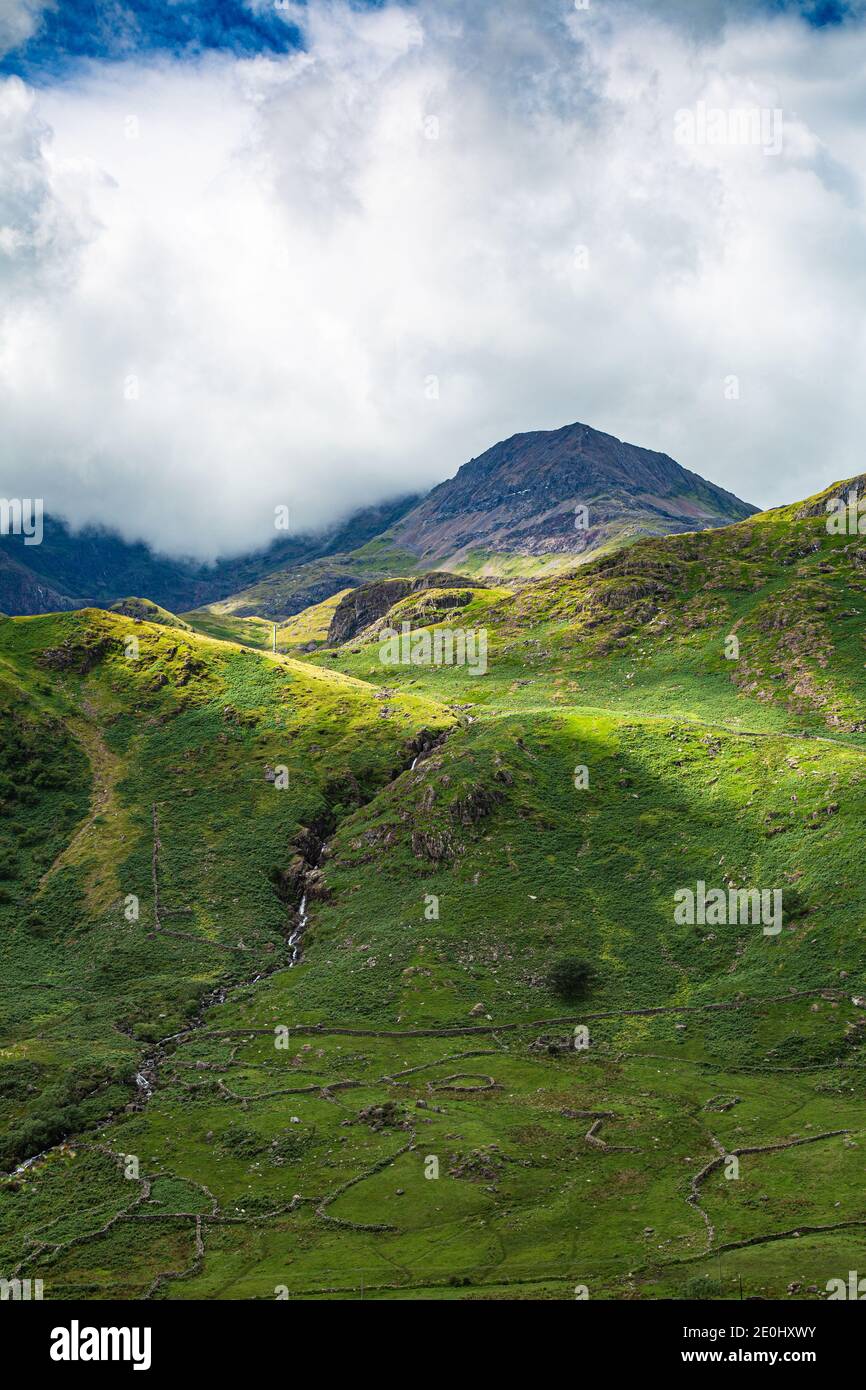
697 770
644 631
188 729
225 627
293 633
142 610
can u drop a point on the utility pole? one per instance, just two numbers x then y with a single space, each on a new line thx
275 637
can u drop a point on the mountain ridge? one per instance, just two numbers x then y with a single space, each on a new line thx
499 501
511 510
475 525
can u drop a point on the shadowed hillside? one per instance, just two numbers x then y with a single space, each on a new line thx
427 1021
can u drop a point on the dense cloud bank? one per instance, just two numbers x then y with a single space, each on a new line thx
319 278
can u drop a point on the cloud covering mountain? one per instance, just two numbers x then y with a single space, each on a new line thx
236 277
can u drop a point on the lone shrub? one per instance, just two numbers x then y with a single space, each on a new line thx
571 977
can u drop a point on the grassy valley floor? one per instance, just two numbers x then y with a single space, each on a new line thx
411 1110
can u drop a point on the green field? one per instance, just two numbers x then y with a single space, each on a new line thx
417 1109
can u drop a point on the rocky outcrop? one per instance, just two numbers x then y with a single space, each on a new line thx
478 802
371 602
79 655
23 592
386 1115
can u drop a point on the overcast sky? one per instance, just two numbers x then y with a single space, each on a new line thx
258 255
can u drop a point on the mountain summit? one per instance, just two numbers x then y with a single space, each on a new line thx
521 498
533 504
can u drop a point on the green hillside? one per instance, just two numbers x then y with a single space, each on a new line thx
128 773
311 625
484 863
645 630
142 610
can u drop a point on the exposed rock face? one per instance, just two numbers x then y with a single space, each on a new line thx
520 498
22 591
366 605
817 506
80 656
475 805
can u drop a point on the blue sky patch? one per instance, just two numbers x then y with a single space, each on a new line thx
111 30
824 12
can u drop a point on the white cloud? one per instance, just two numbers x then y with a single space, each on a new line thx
282 256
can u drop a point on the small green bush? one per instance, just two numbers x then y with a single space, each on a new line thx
570 977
